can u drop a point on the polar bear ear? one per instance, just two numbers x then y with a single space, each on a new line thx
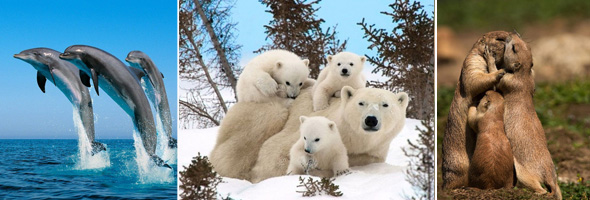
329 59
403 99
279 64
302 118
346 93
331 125
363 59
306 62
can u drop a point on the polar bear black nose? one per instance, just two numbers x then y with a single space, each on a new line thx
345 71
307 151
371 121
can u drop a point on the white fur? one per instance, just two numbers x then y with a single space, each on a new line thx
332 79
266 76
363 146
321 138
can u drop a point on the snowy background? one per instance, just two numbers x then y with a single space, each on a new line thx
374 181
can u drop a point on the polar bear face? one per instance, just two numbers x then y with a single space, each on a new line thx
373 111
346 64
291 76
317 133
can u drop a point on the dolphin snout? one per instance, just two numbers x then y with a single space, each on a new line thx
18 55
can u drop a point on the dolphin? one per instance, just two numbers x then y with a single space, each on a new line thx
121 85
141 61
64 75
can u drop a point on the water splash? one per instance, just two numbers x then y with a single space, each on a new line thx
148 171
85 159
162 149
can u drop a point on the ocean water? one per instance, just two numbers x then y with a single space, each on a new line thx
39 169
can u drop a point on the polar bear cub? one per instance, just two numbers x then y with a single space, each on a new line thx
270 74
343 69
318 148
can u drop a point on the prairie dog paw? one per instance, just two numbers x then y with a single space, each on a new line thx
501 74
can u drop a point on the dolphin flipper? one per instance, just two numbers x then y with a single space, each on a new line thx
41 80
94 79
97 147
84 78
137 72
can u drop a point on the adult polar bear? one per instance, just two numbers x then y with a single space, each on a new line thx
368 119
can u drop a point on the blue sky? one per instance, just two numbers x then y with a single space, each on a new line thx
114 26
346 14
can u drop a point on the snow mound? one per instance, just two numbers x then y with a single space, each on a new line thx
375 181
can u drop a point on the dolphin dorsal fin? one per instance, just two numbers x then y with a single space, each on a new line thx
85 78
138 72
41 80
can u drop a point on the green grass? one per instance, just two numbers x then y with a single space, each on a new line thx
486 14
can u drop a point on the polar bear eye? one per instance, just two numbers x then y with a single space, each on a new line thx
361 104
288 83
304 138
338 64
385 105
300 84
351 64
317 139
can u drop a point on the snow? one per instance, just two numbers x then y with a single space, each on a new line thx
375 181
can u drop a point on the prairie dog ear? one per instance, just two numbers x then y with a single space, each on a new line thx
306 62
332 125
302 118
363 59
403 99
279 64
329 59
346 93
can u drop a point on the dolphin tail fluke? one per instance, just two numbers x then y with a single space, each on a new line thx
97 147
159 162
172 142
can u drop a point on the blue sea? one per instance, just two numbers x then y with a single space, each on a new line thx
47 169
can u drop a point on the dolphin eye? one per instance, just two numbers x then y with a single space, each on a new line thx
288 83
317 139
351 64
361 104
338 64
300 84
304 138
36 53
385 105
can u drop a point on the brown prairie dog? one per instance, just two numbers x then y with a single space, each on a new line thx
479 74
492 164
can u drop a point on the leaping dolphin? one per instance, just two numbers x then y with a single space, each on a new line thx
64 75
140 60
122 86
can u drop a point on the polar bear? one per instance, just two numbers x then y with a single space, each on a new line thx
271 74
368 119
319 148
343 69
